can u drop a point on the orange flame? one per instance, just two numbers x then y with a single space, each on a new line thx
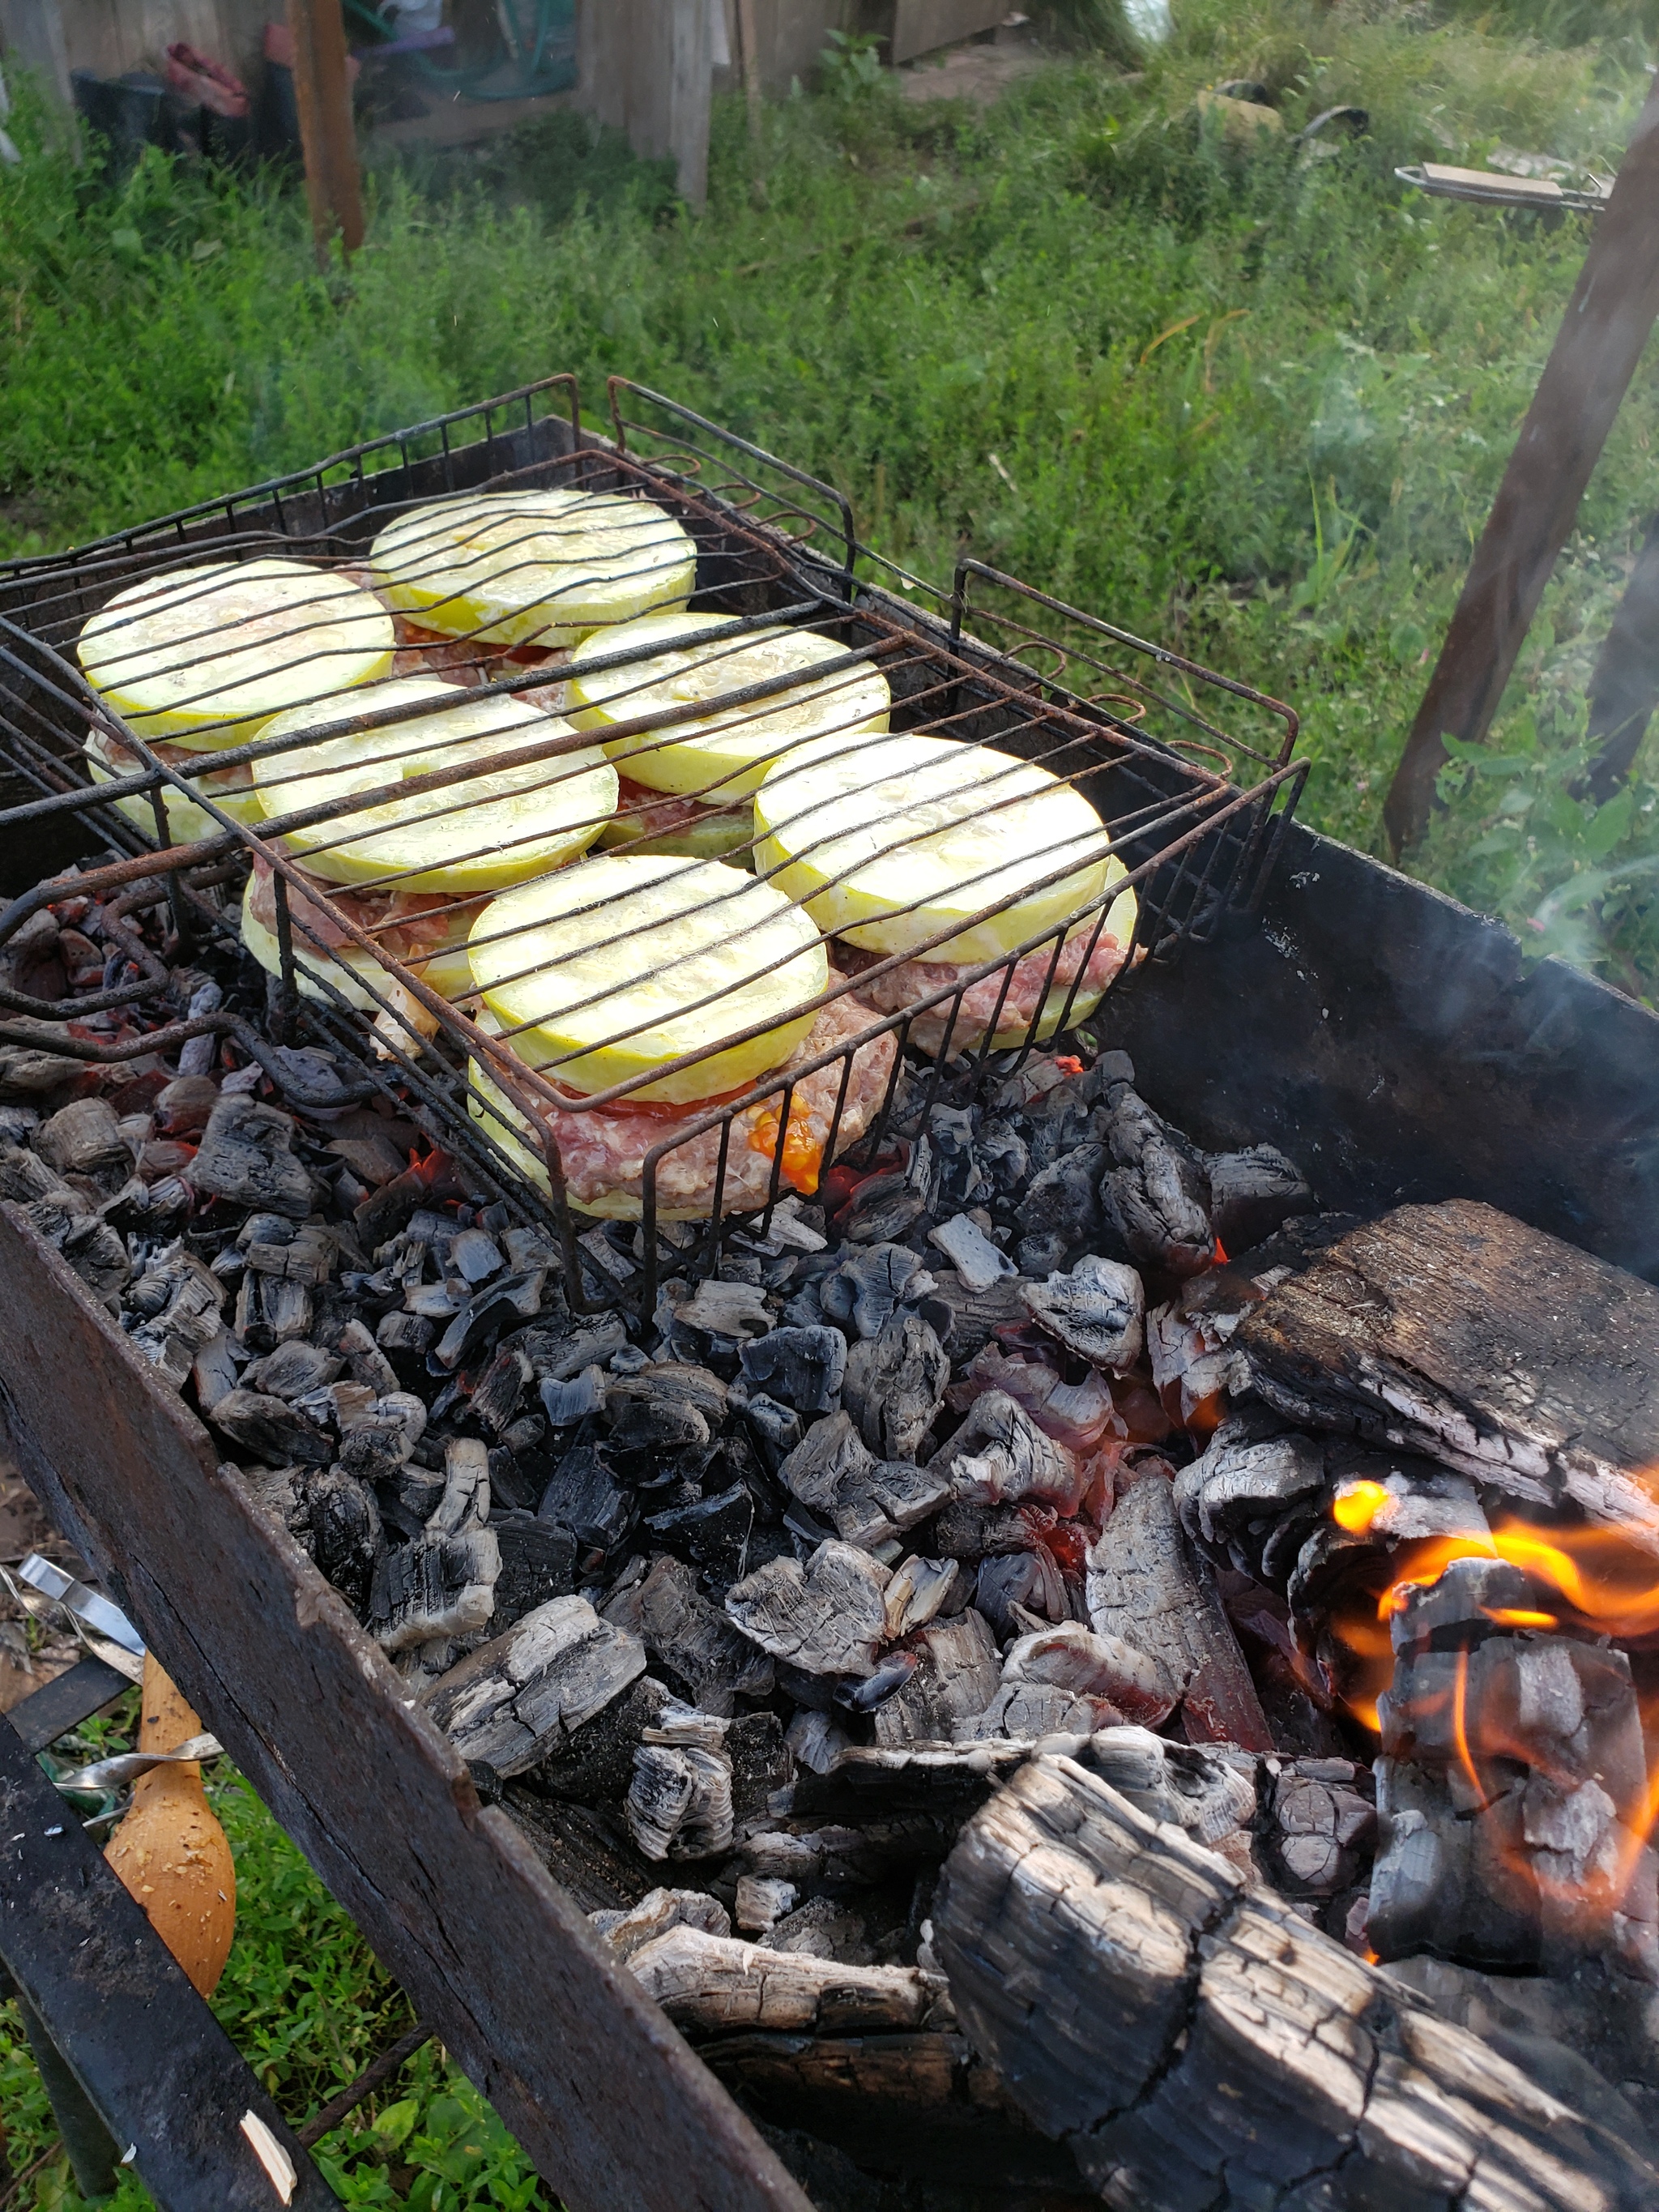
803 1155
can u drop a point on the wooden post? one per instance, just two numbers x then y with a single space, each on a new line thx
749 59
645 65
322 92
1600 340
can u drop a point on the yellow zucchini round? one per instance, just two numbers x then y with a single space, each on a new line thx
888 841
204 657
720 756
608 969
533 568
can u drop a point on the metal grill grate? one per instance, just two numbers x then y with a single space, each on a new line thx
1194 807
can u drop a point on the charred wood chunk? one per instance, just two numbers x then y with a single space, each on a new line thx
464 1503
539 1563
364 1360
966 1321
733 1309
294 1370
500 1387
559 1355
826 1617
679 1801
713 1532
270 1310
83 1138
981 1264
866 1500
1212 1795
1145 1588
96 1252
805 1367
1020 1587
664 1407
868 1288
527 1693
686 1634
375 1447
999 1457
895 1386
763 1768
404 1332
1512 1788
711 1984
1252 1194
920 1589
969 1532
656 1913
880 1210
436 1587
246 1157
1240 1495
1323 1827
959 1179
776 1428
345 1534
585 1497
179 1302
1059 1216
1458 1333
308 1256
564 1404
958 1678
1066 1678
1098 1311
25 1177
596 1765
484 1316
1199 2048
277 1433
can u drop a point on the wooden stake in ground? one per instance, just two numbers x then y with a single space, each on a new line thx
169 1850
322 91
1600 340
749 57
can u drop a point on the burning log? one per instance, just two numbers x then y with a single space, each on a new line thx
1512 1788
1198 2047
1457 1333
1146 1589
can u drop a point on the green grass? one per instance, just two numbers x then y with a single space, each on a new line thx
308 2006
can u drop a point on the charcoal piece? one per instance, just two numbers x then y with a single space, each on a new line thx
526 1694
816 1741
409 1494
895 1386
433 1301
1198 2045
245 1157
185 1105
969 1532
959 1179
1029 1581
464 1503
181 1302
213 1373
762 1765
25 1177
656 1913
476 1256
434 1587
893 1671
93 1248
679 1801
1322 1831
585 1497
965 1321
1252 1194
566 1403
869 1285
1067 1680
308 1254
1060 1215
271 1310
513 1487
999 1457
917 1593
866 1500
345 1534
364 1361
404 1332
695 1642
1193 1788
84 1139
763 1900
292 1370
496 1304
710 1984
374 1449
1098 1311
713 1532
664 1408
980 1263
804 1367
826 1617
824 1928
589 1853
496 1394
281 1493
271 1430
1247 1489
777 1427
596 1765
958 1676
880 1210
729 1309
1145 1588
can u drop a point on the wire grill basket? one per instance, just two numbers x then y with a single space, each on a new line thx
1194 806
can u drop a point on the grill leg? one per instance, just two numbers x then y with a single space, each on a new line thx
92 2149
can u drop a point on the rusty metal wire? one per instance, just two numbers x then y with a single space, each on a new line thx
1194 807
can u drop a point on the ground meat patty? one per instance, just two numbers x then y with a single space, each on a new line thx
410 925
918 979
604 1151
